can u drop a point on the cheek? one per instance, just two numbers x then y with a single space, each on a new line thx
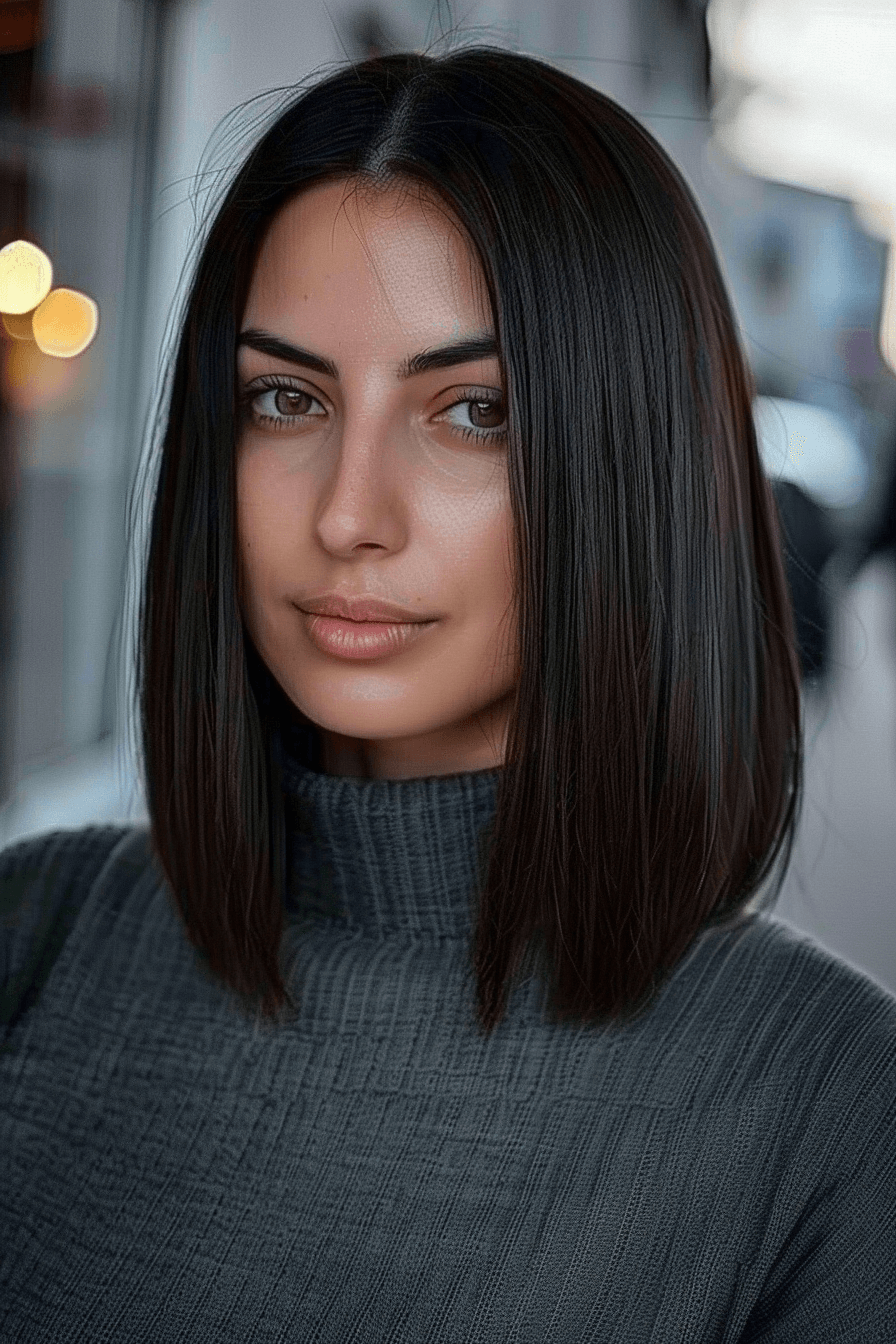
265 512
261 525
481 541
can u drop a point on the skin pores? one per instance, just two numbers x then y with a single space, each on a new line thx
364 483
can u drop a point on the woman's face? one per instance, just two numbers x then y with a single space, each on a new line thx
361 482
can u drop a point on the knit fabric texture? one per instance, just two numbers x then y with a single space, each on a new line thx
722 1168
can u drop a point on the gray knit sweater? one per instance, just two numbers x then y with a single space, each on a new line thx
723 1169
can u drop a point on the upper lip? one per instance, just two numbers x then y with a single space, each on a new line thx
360 609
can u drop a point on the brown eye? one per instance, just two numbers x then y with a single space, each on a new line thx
486 414
486 417
286 404
291 403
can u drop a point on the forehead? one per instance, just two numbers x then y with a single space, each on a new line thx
394 248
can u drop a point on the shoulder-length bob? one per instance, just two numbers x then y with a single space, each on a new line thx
654 760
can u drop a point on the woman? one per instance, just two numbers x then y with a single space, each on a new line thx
456 341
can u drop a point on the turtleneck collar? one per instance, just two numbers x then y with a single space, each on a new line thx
385 855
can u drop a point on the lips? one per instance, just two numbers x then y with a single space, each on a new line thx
363 640
361 609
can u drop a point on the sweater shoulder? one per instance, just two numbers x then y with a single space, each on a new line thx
45 880
810 1020
806 971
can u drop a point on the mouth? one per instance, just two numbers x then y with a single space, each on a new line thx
361 621
362 611
339 637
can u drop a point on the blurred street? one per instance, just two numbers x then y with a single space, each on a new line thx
841 886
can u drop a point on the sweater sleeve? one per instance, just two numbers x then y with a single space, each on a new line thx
834 1282
44 881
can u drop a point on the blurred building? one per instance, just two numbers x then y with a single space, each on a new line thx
78 150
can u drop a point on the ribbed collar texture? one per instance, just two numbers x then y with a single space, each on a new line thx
386 856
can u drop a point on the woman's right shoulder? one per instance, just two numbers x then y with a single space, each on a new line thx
44 881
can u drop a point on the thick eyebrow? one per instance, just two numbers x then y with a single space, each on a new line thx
439 357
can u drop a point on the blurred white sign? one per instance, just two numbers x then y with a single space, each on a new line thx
811 447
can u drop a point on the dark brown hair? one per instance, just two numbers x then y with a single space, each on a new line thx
654 763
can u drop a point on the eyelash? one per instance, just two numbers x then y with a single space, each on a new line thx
278 423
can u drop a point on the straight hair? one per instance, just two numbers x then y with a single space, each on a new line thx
654 760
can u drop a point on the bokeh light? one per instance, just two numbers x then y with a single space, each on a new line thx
65 323
49 328
26 276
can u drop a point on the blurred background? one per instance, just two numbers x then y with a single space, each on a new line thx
782 118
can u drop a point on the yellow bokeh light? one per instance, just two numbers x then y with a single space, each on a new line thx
65 323
26 276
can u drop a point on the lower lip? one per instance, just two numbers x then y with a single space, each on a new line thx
362 640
